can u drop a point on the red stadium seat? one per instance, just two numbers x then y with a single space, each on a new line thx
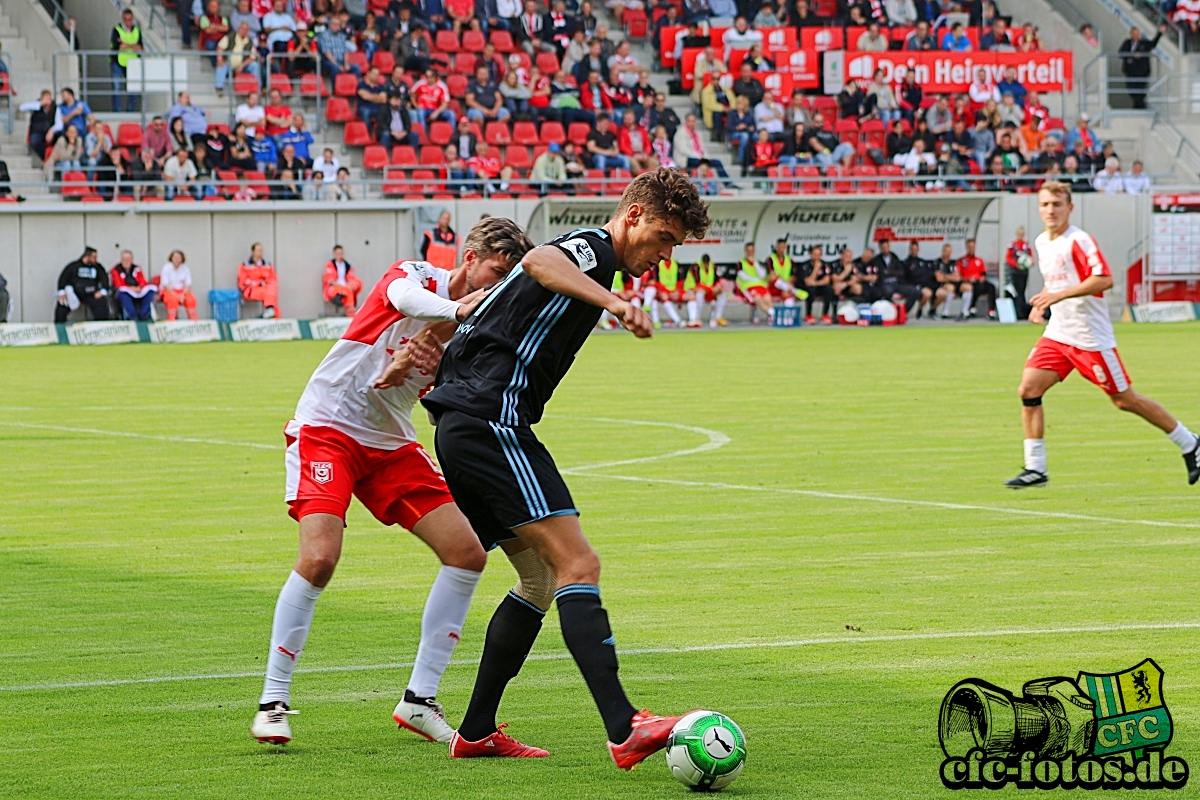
892 171
245 83
637 25
547 63
91 197
781 174
394 181
538 149
75 184
497 132
358 59
840 186
440 133
375 156
847 130
867 182
419 175
808 179
281 82
552 132
823 104
594 181
216 198
258 182
457 84
218 127
183 198
384 61
129 134
311 85
517 157
227 182
404 156
432 156
473 41
577 132
502 41
525 133
338 109
464 64
446 42
356 135
345 85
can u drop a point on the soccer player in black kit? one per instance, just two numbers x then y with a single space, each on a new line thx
492 385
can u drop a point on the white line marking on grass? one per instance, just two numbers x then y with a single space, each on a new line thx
702 648
1024 512
716 440
130 435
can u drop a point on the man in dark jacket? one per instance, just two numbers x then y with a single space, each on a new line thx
89 283
41 123
1135 64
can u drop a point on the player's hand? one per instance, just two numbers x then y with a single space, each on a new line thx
1043 300
425 351
396 372
1036 315
634 320
468 308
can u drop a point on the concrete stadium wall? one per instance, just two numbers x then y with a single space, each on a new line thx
38 29
36 242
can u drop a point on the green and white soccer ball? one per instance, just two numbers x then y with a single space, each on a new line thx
706 751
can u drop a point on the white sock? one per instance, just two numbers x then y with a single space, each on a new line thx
1035 455
946 305
654 311
636 302
605 317
967 297
441 627
293 618
719 307
671 312
788 302
1185 439
693 307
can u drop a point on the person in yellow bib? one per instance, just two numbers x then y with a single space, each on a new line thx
665 289
701 285
126 44
754 284
781 275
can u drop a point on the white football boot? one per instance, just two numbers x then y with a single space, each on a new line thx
271 726
424 717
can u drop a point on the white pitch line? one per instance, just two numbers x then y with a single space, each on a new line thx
702 648
130 435
716 440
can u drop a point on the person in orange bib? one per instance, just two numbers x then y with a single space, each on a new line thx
341 284
257 281
440 246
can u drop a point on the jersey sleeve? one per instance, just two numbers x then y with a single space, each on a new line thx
1088 259
412 291
588 252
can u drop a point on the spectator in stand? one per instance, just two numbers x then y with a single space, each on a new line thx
764 155
573 162
623 69
195 120
341 189
393 126
594 99
921 131
237 52
484 102
41 125
577 49
594 61
486 166
528 32
602 147
697 11
872 40
1010 85
1110 180
82 282
1187 16
250 114
178 137
298 136
1088 32
982 89
688 148
279 27
852 101
1010 113
213 27
911 97
557 27
1088 161
757 61
516 97
372 96
748 86
827 150
412 50
961 143
634 144
938 117
1082 132
1073 176
803 16
95 148
72 112
996 177
266 154
341 285
146 172
1049 154
431 99
238 154
766 18
134 293
975 283
662 148
175 287
955 40
206 171
549 173
327 165
881 100
1031 136
333 45
796 112
1135 63
723 9
178 173
714 98
740 128
897 141
464 138
739 37
66 154
916 161
258 282
996 37
769 116
901 12
921 38
126 43
706 178
663 115
290 161
796 148
1007 150
277 117
243 13
458 176
1136 181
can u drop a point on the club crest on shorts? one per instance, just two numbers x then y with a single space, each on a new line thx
322 471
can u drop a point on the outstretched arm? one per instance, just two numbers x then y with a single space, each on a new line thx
551 268
1095 284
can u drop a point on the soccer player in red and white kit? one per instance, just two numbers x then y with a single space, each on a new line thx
1079 336
353 434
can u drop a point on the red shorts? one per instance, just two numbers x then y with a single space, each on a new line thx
704 293
325 467
1101 367
779 294
757 291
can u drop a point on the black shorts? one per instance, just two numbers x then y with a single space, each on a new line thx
501 477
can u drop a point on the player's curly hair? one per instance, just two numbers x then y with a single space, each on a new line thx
498 236
666 193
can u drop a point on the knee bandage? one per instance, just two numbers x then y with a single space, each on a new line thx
1031 401
535 582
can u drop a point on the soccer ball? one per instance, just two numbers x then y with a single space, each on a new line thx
706 751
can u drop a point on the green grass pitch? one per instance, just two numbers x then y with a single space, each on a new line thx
126 558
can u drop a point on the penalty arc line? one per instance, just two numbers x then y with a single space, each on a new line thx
703 648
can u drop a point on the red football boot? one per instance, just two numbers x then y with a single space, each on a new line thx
649 735
498 745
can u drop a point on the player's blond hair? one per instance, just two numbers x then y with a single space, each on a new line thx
1057 188
668 193
498 236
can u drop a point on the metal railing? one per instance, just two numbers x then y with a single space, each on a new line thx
1151 11
1104 87
1184 148
294 66
61 19
1175 95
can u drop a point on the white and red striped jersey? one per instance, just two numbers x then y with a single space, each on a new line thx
341 394
1066 261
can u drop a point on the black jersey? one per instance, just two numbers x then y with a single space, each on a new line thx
508 357
919 271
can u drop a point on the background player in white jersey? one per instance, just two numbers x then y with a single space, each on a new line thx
353 434
1079 336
